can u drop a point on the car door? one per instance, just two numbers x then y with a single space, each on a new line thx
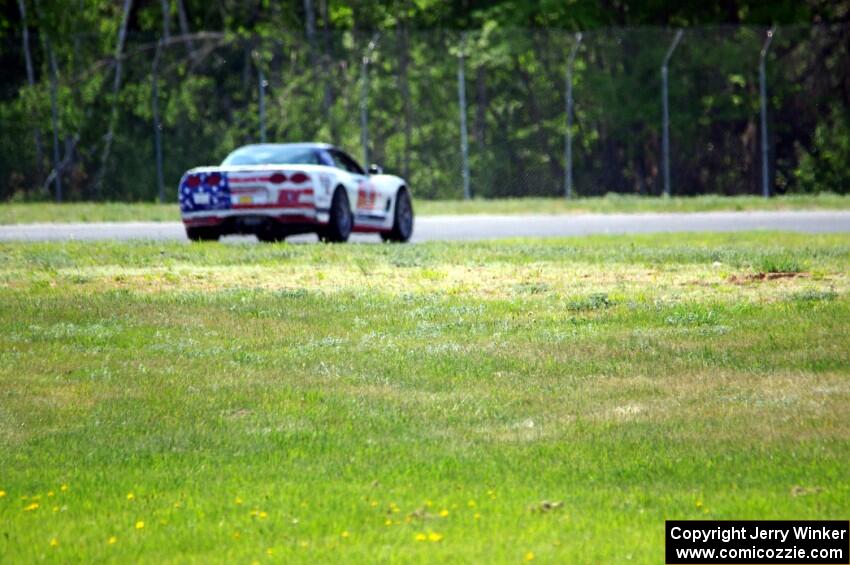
366 202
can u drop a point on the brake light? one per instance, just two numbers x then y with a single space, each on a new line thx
298 178
278 178
214 179
193 181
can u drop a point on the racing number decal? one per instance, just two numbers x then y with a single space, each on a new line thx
367 196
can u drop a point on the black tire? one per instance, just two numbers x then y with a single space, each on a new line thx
270 238
271 234
341 221
203 234
402 220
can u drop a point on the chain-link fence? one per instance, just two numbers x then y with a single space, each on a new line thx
430 106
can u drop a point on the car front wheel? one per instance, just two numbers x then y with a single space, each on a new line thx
403 220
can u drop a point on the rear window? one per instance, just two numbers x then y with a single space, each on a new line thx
273 155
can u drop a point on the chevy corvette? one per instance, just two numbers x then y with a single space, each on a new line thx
281 189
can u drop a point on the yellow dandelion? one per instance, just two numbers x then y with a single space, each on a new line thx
270 552
130 496
50 493
237 501
388 522
2 493
345 534
699 503
477 516
304 544
263 515
56 509
529 556
434 537
428 503
54 542
140 525
471 504
373 504
63 488
421 537
444 513
31 507
112 540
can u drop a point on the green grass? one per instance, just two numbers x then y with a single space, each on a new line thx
304 403
616 204
21 213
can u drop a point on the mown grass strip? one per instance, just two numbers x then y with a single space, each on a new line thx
38 212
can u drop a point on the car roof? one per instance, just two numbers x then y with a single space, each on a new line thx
303 145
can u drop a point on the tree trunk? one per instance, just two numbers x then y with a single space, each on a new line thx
166 13
310 25
39 152
185 31
116 85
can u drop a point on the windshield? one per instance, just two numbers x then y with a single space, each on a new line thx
273 155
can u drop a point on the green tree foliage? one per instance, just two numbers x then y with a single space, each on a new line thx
514 55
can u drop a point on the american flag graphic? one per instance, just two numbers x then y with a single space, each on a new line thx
205 196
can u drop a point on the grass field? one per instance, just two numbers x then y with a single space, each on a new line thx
493 402
21 213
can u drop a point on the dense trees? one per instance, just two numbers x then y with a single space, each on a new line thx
78 84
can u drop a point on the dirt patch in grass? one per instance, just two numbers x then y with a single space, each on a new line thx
759 277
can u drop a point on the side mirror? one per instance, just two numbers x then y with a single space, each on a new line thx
375 169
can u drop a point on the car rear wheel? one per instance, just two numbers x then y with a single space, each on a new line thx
403 219
203 234
339 227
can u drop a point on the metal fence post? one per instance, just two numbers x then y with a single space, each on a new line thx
765 173
54 118
568 150
156 123
262 89
665 111
364 98
464 143
364 109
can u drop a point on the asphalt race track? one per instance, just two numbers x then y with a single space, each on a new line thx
472 227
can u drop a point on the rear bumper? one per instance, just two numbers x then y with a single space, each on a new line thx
256 220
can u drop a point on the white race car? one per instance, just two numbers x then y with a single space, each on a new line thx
280 189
